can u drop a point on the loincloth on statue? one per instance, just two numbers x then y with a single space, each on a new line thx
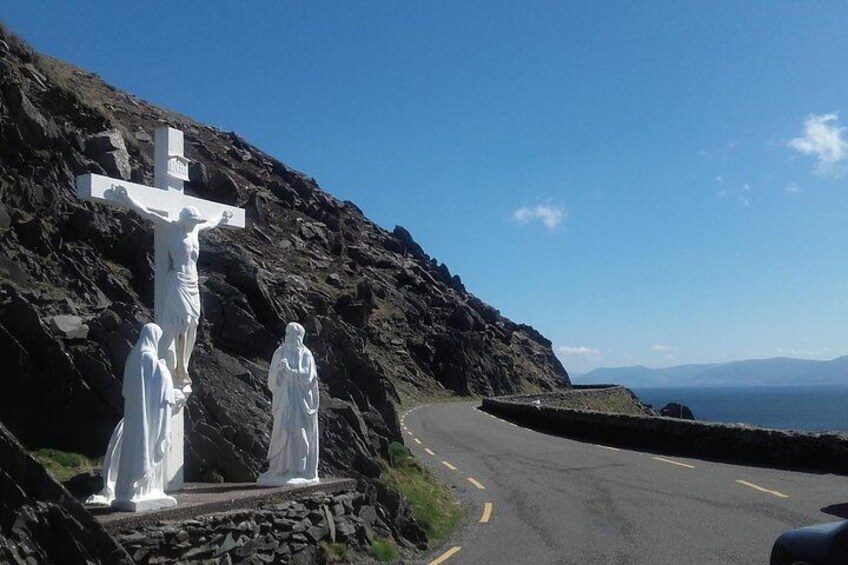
182 300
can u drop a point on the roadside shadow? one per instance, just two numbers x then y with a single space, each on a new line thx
838 510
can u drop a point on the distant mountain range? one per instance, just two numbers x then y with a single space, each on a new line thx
776 371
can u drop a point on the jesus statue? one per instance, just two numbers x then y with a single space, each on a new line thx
181 305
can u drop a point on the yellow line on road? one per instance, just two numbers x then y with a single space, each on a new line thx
428 450
610 448
445 556
674 462
476 483
487 513
448 465
761 489
410 433
418 441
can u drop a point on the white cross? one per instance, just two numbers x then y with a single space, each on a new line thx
166 197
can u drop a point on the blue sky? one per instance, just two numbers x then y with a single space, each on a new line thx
653 185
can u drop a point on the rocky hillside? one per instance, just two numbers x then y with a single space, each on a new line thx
40 522
388 324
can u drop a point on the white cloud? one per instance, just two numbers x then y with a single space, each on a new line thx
792 188
745 201
823 139
578 351
551 216
719 179
662 348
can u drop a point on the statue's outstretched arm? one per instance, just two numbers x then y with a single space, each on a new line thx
212 224
120 194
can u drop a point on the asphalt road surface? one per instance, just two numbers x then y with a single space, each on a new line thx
547 499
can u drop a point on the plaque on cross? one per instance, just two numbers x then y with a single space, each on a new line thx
178 218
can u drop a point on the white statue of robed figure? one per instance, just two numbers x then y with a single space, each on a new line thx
132 469
293 380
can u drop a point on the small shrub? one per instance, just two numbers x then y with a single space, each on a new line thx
398 454
384 549
335 552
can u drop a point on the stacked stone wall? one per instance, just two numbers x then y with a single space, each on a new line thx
820 452
287 532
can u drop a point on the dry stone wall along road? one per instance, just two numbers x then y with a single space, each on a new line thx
535 498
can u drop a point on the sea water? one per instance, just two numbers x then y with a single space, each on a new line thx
806 407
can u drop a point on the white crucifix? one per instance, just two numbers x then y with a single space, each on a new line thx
178 219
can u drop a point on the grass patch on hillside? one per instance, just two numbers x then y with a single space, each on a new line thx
384 549
432 503
63 465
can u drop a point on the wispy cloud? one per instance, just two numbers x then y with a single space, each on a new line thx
792 188
823 139
551 216
660 348
578 351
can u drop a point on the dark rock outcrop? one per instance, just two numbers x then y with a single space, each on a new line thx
675 410
40 522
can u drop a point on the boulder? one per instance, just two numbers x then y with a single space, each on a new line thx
69 327
675 410
108 150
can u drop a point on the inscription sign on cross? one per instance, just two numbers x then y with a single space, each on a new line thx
178 218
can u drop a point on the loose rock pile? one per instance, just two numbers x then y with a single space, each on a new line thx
289 532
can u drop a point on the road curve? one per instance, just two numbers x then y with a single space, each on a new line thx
535 498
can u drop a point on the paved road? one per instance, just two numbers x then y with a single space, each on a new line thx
555 500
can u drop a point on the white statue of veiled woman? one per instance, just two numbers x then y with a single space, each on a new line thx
293 380
132 469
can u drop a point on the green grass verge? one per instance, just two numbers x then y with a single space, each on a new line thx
63 465
384 549
432 503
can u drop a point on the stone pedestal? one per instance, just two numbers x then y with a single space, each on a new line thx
144 504
175 455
